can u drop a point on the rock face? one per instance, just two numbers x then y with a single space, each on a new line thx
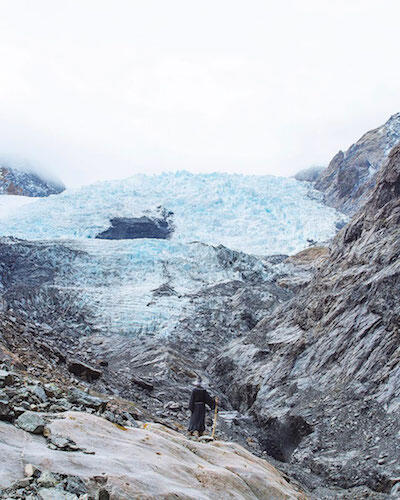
351 174
124 228
321 374
152 462
83 370
14 181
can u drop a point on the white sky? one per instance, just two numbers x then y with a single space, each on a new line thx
97 89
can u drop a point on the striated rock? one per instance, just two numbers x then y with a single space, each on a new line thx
144 384
329 358
352 174
157 462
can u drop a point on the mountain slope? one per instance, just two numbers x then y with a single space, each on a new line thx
25 183
351 174
324 369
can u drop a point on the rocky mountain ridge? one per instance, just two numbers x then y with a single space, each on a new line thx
350 175
321 373
25 183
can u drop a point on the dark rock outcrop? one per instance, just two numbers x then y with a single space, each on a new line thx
129 228
84 370
17 182
352 174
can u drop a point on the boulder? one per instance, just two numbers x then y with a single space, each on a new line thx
144 384
47 479
82 398
39 392
5 410
6 378
31 470
31 422
84 370
74 484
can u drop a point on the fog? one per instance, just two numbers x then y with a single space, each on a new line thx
95 90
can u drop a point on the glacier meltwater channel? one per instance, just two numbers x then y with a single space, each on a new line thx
119 279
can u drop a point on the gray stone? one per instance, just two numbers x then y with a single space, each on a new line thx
47 479
62 443
6 378
31 470
39 392
74 484
5 409
55 494
31 422
140 227
84 370
82 398
350 176
52 390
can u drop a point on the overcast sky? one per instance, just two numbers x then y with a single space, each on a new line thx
94 90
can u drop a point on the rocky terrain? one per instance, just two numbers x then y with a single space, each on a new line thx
321 373
301 350
59 440
17 182
350 175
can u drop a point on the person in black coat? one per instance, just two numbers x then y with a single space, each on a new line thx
197 405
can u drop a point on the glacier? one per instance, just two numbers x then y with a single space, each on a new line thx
10 204
255 214
225 226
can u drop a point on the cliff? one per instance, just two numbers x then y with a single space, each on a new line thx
350 175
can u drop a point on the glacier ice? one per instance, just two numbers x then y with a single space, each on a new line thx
254 214
10 204
119 280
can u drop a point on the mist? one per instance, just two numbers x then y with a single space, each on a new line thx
101 90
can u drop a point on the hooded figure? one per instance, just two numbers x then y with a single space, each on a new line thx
197 405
